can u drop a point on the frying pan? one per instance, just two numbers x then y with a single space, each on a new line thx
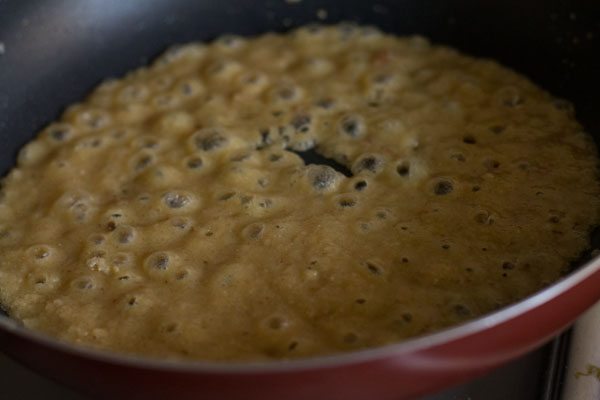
53 53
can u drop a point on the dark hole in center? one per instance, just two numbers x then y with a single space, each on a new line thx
311 156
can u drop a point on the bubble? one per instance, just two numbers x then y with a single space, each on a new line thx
322 177
94 119
181 223
39 280
158 261
147 143
275 323
226 196
44 282
124 234
143 161
443 188
60 132
265 203
84 283
115 214
352 125
181 275
508 265
484 218
122 260
97 263
175 200
360 301
275 157
382 214
288 93
371 163
191 88
91 143
254 231
360 186
301 123
373 268
347 202
111 226
33 153
40 253
194 163
403 169
77 204
325 104
246 199
209 139
265 138
469 139
253 80
263 182
364 226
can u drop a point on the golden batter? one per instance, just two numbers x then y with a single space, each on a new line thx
166 215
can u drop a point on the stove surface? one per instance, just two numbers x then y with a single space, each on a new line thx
527 378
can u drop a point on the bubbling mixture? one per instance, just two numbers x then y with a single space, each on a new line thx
170 215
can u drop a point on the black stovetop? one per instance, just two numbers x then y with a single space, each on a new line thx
537 376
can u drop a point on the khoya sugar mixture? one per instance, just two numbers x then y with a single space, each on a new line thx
170 214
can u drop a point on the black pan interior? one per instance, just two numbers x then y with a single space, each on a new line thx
53 52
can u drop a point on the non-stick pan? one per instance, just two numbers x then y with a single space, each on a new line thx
53 52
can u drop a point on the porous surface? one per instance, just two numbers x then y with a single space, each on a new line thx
165 215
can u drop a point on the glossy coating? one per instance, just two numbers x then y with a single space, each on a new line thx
52 53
